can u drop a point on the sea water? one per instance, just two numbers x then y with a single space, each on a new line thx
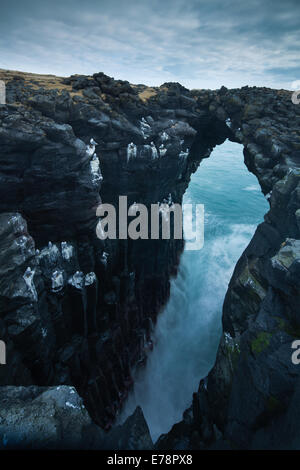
188 330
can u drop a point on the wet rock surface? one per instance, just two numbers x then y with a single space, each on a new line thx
79 311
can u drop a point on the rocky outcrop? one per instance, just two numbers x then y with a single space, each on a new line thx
44 418
133 434
55 418
79 311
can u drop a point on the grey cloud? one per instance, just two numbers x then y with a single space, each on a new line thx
199 43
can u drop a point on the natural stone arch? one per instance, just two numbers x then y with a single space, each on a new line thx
43 146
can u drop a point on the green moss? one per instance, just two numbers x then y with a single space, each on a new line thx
261 342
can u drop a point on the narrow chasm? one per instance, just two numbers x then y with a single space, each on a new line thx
188 330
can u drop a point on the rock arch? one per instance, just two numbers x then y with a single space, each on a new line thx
91 333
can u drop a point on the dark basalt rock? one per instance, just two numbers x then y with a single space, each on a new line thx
84 317
45 418
132 435
55 418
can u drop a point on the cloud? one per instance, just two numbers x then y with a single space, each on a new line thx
198 43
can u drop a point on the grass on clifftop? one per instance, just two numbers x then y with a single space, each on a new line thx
36 81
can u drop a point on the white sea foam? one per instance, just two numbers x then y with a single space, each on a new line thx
251 188
187 333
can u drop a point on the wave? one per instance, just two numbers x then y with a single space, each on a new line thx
251 188
187 332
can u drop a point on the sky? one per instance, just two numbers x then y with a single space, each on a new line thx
199 43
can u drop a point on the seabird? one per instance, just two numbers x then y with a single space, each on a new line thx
131 151
91 147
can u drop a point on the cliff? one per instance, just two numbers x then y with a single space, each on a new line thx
79 311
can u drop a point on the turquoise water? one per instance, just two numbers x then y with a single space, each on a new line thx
188 331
